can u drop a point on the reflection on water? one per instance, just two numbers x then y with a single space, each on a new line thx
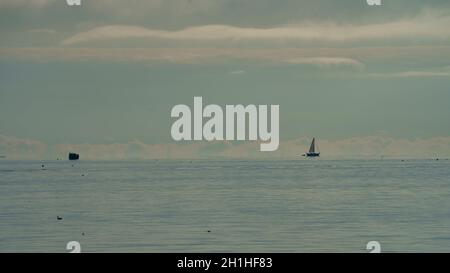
248 206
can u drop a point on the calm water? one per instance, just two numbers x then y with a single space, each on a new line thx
249 206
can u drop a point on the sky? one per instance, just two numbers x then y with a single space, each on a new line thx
101 78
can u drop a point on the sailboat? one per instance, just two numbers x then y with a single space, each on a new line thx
312 150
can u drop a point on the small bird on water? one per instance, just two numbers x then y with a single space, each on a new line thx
59 218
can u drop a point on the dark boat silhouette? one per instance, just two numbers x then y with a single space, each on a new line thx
312 150
74 156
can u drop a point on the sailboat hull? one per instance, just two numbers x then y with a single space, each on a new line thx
312 154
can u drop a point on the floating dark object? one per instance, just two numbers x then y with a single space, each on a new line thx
59 218
209 231
74 156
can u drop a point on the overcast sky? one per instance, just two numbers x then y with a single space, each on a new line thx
104 76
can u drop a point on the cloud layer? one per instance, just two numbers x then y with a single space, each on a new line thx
413 74
314 57
25 3
17 148
356 147
423 27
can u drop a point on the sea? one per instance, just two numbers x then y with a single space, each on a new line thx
225 206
